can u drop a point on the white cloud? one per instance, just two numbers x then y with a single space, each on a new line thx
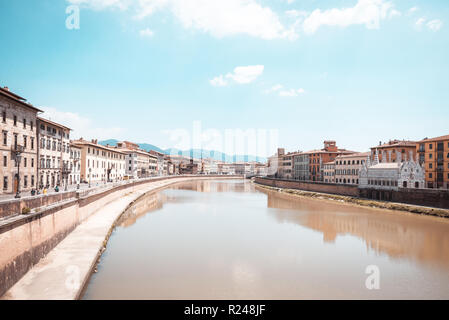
146 33
419 23
82 126
285 92
218 81
412 10
216 17
296 13
291 92
435 25
274 88
241 75
244 75
223 18
394 13
103 4
365 12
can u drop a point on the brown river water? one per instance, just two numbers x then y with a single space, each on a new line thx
227 239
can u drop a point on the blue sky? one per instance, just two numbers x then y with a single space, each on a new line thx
356 71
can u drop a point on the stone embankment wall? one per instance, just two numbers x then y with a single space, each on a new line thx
340 189
420 197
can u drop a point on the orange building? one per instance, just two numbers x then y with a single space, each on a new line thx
434 157
395 151
317 158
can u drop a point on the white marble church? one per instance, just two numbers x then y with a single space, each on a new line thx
391 175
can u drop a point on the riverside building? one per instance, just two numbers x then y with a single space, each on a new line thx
100 163
18 145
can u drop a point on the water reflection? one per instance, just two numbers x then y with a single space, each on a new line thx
400 235
229 240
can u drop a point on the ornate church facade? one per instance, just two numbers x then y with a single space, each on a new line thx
391 175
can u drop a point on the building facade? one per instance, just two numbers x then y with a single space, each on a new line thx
308 166
100 163
391 175
53 153
75 165
433 154
347 167
139 163
18 147
329 172
301 169
395 151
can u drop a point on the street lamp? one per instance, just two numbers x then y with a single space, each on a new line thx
17 151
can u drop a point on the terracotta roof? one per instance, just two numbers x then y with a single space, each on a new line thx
396 143
53 123
358 154
442 138
341 151
18 99
96 145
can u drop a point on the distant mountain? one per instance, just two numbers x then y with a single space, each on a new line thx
195 153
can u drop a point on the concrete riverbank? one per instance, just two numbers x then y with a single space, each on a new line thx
443 213
64 271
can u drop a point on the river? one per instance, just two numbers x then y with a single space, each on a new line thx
228 239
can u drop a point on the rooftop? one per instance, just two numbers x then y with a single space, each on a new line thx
11 95
386 165
355 155
441 138
53 123
395 143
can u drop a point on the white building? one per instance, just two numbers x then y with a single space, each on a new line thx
53 153
391 175
100 163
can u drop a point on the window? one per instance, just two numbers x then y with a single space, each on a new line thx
32 125
25 141
430 146
32 162
430 166
4 116
5 183
32 143
24 123
25 181
15 120
32 181
430 175
5 138
5 161
24 162
430 156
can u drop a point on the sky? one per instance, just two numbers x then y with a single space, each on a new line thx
305 71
